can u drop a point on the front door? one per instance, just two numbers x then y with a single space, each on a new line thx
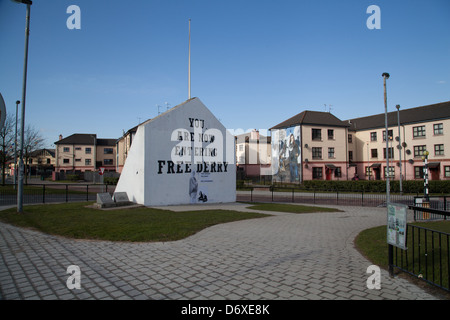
328 173
376 172
434 173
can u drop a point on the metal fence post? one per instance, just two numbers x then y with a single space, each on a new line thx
67 193
43 193
362 198
87 192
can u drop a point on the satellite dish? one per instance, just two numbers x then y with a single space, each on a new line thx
2 112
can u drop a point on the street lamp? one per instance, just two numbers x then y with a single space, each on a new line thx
385 76
15 147
24 90
399 148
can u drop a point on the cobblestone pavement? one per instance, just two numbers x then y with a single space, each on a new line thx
283 256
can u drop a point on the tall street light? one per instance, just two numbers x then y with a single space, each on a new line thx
399 148
15 147
385 76
24 90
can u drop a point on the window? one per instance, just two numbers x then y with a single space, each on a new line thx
391 153
350 138
338 172
107 161
66 149
350 155
108 151
316 134
438 149
77 160
418 172
48 161
331 153
373 136
316 153
77 148
418 150
88 150
419 132
87 162
368 171
390 134
317 173
65 160
438 129
391 172
447 171
374 153
330 134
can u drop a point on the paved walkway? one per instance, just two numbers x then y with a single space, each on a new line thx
284 256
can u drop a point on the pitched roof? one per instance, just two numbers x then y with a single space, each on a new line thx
312 117
43 152
79 138
245 137
427 113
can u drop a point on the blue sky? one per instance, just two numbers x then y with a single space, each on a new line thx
255 63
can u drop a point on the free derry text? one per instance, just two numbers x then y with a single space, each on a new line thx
195 151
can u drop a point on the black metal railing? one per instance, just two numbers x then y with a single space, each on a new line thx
336 197
427 256
48 193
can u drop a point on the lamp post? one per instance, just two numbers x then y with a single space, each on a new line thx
15 147
24 90
399 148
385 76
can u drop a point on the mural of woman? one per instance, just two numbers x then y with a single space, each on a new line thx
293 149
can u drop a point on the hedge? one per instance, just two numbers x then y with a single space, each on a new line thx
409 186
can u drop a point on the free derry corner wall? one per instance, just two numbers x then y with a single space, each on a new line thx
183 156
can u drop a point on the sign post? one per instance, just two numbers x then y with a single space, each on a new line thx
396 229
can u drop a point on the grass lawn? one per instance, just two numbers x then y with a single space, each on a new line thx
75 220
372 243
279 207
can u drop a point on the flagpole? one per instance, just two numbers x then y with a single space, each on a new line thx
189 64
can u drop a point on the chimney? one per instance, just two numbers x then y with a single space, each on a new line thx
60 137
254 135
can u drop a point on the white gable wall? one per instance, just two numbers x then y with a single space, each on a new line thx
167 174
133 174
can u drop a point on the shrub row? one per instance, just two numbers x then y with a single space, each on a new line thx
409 186
110 180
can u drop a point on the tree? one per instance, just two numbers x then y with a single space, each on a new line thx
7 134
33 141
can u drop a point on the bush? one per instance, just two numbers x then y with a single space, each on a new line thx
110 180
72 177
409 186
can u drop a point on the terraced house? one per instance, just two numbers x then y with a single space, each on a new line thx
318 145
411 132
82 152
